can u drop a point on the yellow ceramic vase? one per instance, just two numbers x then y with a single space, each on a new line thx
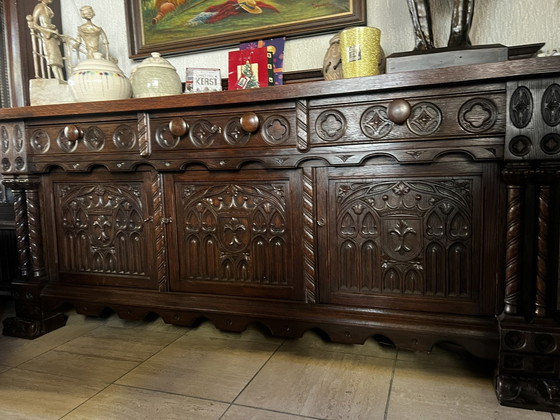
361 52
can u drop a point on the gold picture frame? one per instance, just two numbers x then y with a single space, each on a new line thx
177 26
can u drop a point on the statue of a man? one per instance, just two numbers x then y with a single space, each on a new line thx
91 35
41 22
461 21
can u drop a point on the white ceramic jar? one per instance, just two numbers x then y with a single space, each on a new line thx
155 76
98 79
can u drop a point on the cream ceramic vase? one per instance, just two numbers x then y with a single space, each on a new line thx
155 76
98 79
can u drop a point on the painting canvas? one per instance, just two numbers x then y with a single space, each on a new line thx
175 26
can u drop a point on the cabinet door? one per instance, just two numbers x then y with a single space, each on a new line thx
101 229
419 237
238 233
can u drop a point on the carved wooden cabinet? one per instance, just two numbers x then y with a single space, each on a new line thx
413 207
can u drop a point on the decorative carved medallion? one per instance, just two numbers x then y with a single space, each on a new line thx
520 146
165 139
20 163
425 118
234 134
330 125
550 144
4 139
6 164
550 105
94 138
276 130
202 133
521 107
478 115
124 137
375 123
65 144
40 141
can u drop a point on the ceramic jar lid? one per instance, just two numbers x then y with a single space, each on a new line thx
156 61
97 63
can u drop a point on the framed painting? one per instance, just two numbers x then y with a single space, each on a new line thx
176 26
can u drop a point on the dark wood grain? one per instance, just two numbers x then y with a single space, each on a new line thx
306 206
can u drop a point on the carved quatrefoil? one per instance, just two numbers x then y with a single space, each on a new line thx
478 115
330 125
276 130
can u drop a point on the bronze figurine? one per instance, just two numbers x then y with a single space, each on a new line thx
461 20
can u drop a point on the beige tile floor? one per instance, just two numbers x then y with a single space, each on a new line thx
114 369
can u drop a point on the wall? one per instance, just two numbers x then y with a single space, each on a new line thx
508 22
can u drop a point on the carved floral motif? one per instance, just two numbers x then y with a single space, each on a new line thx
102 228
235 233
404 236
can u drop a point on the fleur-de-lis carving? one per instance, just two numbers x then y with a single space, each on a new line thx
400 231
234 226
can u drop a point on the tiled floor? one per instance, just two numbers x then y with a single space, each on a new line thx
114 369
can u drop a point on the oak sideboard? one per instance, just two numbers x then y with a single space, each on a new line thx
416 208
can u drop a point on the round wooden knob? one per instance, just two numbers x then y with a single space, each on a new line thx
249 122
399 111
73 133
178 127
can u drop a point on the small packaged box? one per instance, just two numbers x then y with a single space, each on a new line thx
203 80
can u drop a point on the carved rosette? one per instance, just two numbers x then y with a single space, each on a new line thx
40 141
276 130
375 123
478 115
165 139
521 107
425 119
65 144
102 228
520 146
331 125
550 105
405 237
94 139
234 134
124 137
202 133
235 233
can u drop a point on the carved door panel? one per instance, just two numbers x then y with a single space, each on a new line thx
238 233
101 229
427 241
